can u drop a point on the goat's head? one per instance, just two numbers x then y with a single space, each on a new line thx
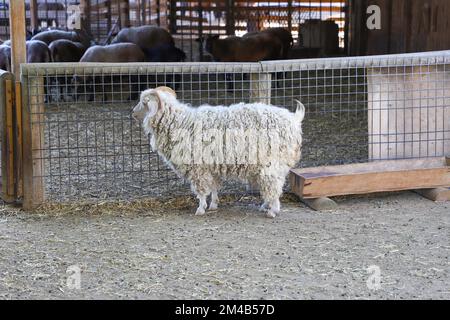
150 103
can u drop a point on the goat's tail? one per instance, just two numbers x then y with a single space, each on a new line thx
300 111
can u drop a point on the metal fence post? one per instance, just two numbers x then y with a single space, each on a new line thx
261 86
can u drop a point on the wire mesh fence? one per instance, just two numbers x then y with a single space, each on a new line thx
85 145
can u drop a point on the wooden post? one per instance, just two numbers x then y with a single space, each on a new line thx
119 14
229 7
108 16
125 14
18 151
200 27
173 17
320 204
18 35
261 86
144 11
7 138
289 20
86 16
34 15
158 13
33 142
435 194
138 12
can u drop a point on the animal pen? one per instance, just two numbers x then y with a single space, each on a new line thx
189 20
373 123
79 142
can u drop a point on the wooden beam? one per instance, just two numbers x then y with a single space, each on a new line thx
124 12
18 139
436 194
18 35
85 6
7 139
33 142
320 204
379 176
34 15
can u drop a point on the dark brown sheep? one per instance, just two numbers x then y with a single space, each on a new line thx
63 50
5 57
118 52
146 37
37 52
284 35
254 48
51 35
106 84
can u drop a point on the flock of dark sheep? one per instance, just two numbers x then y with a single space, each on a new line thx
148 44
137 44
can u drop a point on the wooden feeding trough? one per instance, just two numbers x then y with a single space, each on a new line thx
429 177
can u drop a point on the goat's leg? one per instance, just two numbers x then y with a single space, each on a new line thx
214 200
201 191
271 189
201 205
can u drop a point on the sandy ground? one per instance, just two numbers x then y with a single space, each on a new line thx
232 253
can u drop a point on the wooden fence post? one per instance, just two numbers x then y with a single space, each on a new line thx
33 141
86 16
7 138
144 11
18 35
289 20
125 13
34 19
229 7
173 17
260 87
18 151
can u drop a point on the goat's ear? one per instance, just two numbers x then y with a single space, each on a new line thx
154 103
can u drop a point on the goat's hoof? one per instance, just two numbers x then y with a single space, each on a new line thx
200 212
213 207
270 214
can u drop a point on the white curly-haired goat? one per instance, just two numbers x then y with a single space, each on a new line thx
254 142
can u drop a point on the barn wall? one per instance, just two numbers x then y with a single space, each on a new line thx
406 26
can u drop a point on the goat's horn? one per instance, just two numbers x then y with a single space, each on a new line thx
167 89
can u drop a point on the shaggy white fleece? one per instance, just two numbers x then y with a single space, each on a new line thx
252 142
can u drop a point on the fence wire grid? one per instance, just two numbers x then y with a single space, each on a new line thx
358 109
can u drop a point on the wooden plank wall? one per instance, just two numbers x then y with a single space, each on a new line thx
406 26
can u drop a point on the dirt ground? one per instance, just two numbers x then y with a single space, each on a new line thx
232 253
